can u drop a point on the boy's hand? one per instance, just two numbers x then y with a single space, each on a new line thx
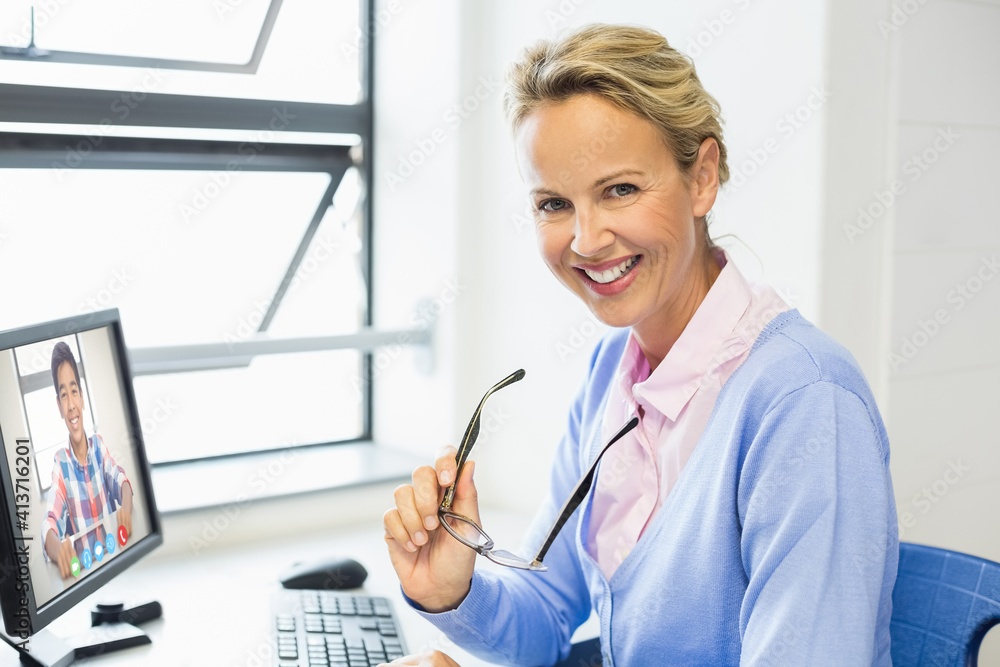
66 555
125 511
60 553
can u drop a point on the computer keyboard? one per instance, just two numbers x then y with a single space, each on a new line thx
334 629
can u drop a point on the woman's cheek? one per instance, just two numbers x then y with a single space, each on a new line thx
550 246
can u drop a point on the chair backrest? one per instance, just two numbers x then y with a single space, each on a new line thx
943 603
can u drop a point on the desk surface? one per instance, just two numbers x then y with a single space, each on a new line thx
216 604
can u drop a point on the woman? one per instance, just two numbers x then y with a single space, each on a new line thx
778 544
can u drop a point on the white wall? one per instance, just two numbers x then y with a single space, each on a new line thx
944 383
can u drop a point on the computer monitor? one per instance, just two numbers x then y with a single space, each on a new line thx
76 503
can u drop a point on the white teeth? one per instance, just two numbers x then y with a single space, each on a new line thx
617 272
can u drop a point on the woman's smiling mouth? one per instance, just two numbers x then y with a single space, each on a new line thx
609 279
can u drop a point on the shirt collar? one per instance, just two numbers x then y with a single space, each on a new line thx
707 342
72 454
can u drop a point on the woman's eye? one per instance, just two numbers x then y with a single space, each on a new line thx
552 205
622 190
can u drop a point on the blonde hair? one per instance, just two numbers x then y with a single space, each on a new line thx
633 68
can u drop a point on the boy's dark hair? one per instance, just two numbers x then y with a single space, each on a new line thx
61 354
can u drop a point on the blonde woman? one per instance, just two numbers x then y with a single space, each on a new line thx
749 518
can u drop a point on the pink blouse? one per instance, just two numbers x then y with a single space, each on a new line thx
638 472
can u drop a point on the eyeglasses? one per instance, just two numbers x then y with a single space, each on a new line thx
471 534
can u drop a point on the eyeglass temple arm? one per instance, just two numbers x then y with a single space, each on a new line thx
471 433
580 492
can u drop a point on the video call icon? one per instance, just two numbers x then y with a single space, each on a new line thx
74 566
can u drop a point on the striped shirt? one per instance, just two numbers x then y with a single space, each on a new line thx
82 495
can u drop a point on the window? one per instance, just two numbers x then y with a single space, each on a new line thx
210 180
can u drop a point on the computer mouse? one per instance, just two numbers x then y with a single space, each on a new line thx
332 574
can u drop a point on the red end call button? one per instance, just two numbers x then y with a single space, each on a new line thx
122 535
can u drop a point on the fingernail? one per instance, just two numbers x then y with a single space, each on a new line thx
446 477
410 546
430 522
419 537
472 472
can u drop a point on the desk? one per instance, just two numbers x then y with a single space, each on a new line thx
216 604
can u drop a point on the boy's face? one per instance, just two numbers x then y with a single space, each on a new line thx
70 400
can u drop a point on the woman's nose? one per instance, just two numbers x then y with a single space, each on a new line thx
591 234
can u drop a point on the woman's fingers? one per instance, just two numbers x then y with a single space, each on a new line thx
427 494
466 496
413 523
445 466
394 528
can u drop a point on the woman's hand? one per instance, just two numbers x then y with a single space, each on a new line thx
429 659
434 569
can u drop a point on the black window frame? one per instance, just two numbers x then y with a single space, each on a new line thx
90 108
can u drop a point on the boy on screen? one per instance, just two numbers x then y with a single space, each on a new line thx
86 481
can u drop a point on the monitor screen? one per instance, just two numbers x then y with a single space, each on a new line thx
78 502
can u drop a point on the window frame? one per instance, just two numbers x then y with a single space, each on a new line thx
90 108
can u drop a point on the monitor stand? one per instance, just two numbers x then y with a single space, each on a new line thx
46 649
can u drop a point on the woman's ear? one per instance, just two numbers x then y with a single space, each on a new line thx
705 181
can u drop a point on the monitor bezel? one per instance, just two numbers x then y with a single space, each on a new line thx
62 602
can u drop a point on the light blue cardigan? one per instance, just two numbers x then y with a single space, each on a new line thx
777 546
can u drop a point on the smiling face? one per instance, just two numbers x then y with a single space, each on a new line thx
70 399
616 220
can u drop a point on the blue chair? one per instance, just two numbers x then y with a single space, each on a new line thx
943 604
